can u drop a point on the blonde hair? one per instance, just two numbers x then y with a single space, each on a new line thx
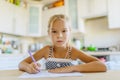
58 16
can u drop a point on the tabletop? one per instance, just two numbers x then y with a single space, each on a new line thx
109 75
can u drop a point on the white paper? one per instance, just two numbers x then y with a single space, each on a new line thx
47 74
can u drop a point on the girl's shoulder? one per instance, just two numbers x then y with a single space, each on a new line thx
77 52
46 48
43 52
74 50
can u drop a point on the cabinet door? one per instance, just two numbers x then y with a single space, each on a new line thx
114 13
73 13
92 8
20 21
97 7
34 28
82 8
75 9
46 16
10 61
6 17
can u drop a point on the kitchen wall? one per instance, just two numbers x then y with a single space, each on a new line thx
14 44
99 34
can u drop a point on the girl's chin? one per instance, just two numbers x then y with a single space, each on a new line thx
60 45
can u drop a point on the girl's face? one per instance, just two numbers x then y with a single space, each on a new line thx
59 33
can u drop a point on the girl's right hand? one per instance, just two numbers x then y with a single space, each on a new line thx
33 68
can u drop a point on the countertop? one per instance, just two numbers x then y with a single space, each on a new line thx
109 75
103 53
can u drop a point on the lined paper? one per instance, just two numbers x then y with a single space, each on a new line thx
44 73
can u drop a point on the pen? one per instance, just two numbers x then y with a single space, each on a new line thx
32 57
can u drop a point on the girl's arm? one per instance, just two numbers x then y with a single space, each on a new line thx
29 66
95 66
92 64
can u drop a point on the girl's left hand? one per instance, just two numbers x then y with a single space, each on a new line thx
62 70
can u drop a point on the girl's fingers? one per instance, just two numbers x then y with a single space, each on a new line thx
31 70
35 68
38 64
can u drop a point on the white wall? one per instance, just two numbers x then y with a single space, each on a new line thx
98 33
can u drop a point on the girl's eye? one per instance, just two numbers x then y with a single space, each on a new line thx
64 30
54 31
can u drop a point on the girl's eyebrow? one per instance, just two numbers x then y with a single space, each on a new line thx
53 29
65 28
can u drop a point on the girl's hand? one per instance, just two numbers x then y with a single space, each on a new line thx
62 70
33 68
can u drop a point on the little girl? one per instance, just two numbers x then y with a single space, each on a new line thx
59 32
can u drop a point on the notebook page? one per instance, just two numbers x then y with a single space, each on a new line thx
44 73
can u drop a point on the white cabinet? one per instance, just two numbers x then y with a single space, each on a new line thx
13 19
6 17
82 8
46 14
20 21
35 14
71 9
9 61
97 7
73 13
114 13
92 8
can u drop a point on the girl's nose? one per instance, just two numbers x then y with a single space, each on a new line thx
60 35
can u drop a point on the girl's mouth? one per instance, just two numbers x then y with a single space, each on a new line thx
59 41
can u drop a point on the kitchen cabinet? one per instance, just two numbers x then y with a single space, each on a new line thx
20 20
82 8
13 19
9 61
49 13
97 7
114 14
6 17
35 16
72 11
92 8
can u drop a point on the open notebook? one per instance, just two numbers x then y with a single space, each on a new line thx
45 73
